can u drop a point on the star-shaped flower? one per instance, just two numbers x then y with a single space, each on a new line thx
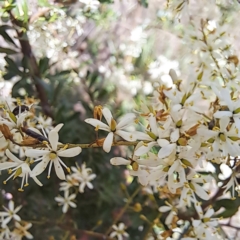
113 128
10 213
51 155
66 201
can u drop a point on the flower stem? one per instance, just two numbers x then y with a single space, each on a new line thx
124 209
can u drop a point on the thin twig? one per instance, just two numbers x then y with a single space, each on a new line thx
124 209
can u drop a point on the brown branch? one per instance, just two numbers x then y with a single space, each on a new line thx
35 74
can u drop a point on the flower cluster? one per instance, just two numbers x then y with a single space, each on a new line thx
184 132
80 178
14 128
20 228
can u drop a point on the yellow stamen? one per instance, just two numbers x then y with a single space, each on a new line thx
113 125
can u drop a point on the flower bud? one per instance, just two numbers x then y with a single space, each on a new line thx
97 112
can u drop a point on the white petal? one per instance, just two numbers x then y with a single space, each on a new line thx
13 157
223 122
37 181
6 221
220 114
142 136
153 124
71 152
17 218
53 139
163 142
65 208
21 118
164 209
59 170
175 135
166 151
36 152
107 115
129 136
11 205
144 149
209 213
95 123
108 142
59 199
200 192
72 204
40 167
126 120
7 165
58 127
119 161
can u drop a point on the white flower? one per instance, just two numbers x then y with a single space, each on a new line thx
19 169
52 155
119 231
13 121
233 106
70 182
45 123
90 5
153 135
5 233
10 213
113 128
21 231
84 176
222 138
66 201
205 226
172 212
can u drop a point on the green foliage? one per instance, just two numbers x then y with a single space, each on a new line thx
230 207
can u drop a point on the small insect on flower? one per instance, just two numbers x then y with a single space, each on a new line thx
20 109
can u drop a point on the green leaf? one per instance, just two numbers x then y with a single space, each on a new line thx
26 84
5 35
144 3
7 50
231 207
12 66
44 3
25 11
43 65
